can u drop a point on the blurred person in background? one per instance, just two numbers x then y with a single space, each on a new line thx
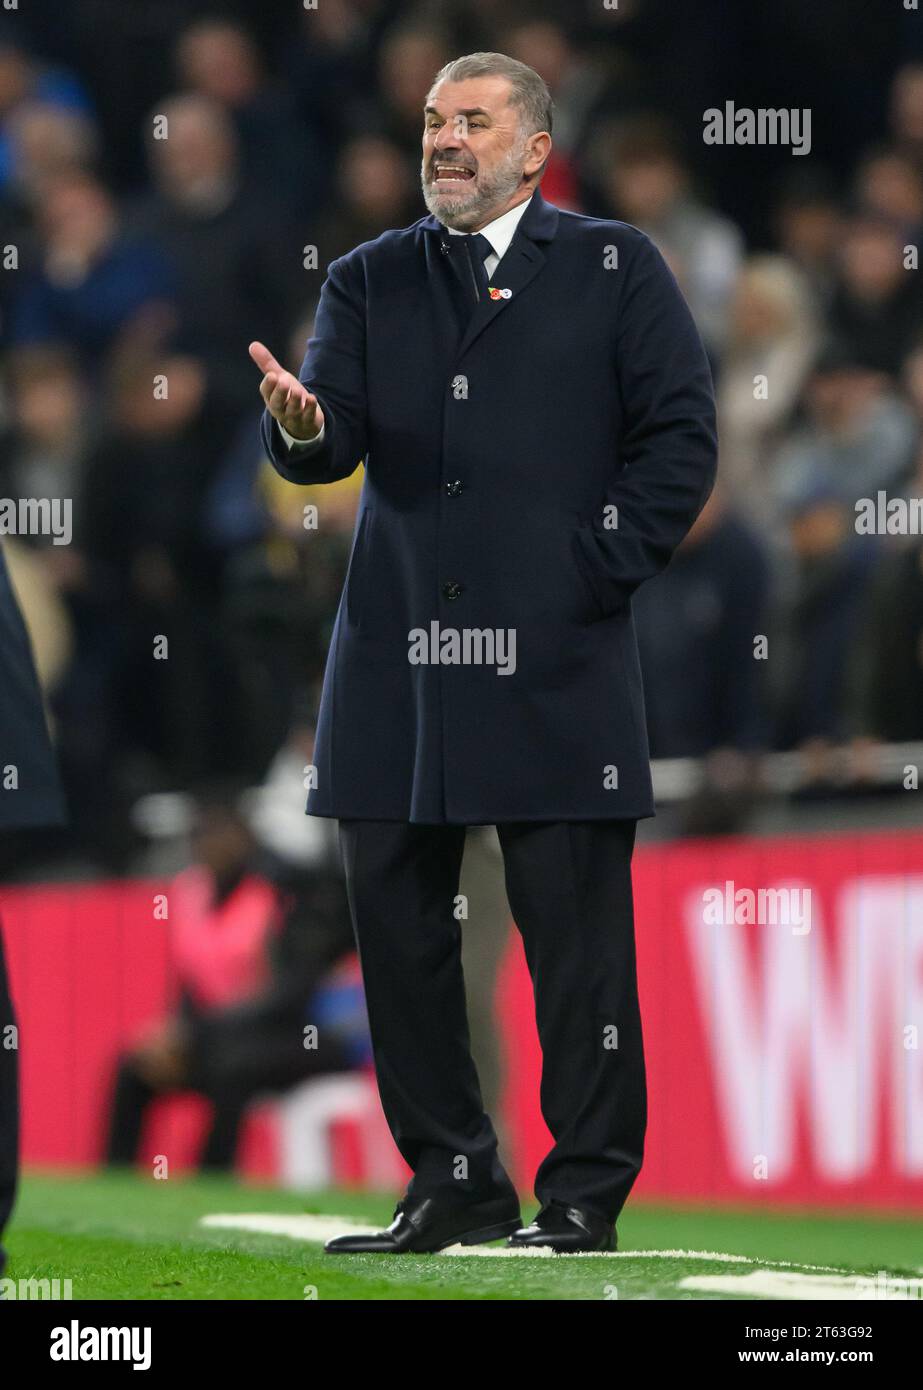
906 111
578 83
47 140
26 81
250 955
697 624
807 221
877 307
50 431
817 624
858 434
772 340
580 88
39 141
647 183
887 665
375 190
330 66
411 51
95 286
888 182
218 59
153 710
221 238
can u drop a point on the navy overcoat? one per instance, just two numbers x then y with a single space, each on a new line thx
530 459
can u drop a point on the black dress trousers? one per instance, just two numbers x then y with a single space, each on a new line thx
569 886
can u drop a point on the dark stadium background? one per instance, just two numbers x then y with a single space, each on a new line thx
296 128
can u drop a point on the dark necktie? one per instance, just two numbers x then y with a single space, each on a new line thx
479 248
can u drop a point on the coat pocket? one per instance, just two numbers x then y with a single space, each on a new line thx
588 609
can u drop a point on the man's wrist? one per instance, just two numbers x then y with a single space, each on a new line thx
291 442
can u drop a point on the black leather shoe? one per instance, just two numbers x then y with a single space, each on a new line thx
567 1230
425 1224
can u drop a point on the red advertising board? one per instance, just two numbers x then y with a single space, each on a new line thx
782 999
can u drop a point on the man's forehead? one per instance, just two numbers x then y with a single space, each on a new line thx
490 94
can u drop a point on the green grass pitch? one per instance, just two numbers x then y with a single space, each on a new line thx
123 1236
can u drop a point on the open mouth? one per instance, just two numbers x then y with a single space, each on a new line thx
444 174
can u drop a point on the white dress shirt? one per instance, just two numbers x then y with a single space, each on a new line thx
499 233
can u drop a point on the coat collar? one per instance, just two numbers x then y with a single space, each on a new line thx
522 262
539 222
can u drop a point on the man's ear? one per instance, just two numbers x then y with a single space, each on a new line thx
538 148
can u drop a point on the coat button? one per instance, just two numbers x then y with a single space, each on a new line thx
455 488
451 589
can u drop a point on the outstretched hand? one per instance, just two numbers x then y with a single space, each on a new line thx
287 401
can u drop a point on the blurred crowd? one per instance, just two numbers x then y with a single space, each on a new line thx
137 268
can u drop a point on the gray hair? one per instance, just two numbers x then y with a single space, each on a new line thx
529 91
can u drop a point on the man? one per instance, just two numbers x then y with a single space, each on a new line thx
536 413
30 796
252 949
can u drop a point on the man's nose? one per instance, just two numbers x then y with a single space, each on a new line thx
447 138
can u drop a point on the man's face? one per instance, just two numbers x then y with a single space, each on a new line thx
475 156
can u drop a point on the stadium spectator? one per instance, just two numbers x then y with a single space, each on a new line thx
331 66
907 111
142 529
771 343
886 670
807 222
96 286
234 256
859 435
647 183
28 84
218 59
47 140
876 308
818 621
409 55
581 90
375 189
44 452
250 958
890 184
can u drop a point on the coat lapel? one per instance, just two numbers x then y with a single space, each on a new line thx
523 261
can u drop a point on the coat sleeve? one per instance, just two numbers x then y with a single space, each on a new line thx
668 439
334 371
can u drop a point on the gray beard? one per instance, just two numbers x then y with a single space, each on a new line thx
461 214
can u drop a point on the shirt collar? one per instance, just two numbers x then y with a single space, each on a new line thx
500 232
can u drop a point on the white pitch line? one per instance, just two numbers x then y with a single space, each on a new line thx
771 1283
301 1227
321 1228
